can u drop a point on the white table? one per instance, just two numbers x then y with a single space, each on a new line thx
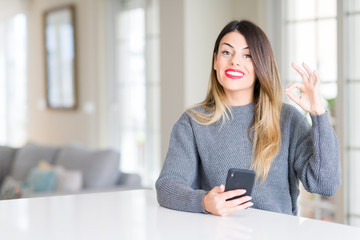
137 215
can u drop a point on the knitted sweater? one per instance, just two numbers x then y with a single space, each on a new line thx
199 158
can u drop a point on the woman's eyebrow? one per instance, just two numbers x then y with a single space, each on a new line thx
228 44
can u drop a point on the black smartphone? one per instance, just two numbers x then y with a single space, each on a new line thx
240 179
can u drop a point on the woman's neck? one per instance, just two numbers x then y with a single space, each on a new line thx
239 99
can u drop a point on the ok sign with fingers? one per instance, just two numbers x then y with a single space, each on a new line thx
310 99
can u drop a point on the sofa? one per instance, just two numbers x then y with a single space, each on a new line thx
41 170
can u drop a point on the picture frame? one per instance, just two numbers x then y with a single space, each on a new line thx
60 58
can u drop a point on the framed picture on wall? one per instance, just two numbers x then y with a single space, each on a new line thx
60 58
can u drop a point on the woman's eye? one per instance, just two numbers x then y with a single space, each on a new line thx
247 56
227 53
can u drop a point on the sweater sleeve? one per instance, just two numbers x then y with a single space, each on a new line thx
178 186
317 157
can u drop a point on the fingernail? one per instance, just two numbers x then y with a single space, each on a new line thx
251 204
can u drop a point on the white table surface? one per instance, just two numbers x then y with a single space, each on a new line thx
137 215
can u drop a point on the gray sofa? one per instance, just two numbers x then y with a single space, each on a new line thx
68 169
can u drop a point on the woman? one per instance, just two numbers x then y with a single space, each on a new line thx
243 123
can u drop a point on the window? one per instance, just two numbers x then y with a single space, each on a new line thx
310 34
13 85
135 100
352 98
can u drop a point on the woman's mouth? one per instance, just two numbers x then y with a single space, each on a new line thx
234 73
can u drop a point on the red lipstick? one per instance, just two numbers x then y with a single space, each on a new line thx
234 73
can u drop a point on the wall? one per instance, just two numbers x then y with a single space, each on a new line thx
9 8
60 126
172 69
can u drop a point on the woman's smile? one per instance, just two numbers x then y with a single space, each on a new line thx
234 73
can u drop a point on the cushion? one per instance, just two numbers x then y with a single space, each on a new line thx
28 157
6 157
68 180
100 168
11 189
42 180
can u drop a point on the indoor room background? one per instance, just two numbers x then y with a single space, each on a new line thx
141 63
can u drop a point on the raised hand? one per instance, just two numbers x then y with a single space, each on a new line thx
310 99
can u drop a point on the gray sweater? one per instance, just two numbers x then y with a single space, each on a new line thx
199 158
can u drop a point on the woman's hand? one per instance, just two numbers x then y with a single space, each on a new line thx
215 201
310 99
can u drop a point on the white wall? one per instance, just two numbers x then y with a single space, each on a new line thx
11 7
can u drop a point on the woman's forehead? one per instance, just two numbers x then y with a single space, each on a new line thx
235 40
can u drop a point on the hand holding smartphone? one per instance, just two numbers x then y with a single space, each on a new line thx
240 179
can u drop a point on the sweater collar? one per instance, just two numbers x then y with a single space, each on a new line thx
249 108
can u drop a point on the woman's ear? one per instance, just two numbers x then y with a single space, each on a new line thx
215 61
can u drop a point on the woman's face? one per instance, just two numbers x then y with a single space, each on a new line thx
235 69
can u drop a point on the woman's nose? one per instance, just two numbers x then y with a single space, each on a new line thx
235 61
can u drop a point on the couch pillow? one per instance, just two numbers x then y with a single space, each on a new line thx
6 157
100 168
28 157
68 180
42 180
11 189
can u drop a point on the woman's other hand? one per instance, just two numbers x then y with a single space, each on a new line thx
310 99
215 201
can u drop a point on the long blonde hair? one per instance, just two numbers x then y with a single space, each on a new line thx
265 130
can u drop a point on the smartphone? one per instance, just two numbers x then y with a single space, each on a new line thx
240 179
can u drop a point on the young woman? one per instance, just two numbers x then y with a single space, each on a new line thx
242 123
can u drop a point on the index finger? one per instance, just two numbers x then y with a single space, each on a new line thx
233 193
302 73
308 70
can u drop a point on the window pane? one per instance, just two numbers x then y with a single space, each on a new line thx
329 92
353 125
302 46
152 132
326 45
354 182
301 9
132 47
290 52
354 221
326 8
131 89
152 50
13 82
354 47
135 98
353 5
